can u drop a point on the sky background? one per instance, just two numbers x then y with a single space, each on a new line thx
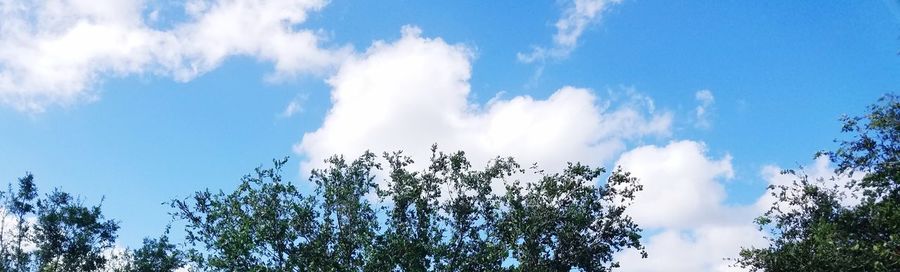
140 102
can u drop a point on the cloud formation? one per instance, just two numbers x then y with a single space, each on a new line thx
55 52
575 18
683 206
705 101
295 106
413 92
683 202
683 183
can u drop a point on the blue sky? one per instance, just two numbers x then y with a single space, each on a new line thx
141 131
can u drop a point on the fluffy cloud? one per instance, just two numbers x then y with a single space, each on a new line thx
684 202
683 207
577 16
705 100
700 249
54 52
682 187
414 92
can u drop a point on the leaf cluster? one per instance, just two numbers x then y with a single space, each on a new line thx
56 232
812 226
450 216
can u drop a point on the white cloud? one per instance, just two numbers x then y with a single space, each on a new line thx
682 187
705 101
700 249
413 92
292 108
295 106
55 52
683 206
684 201
576 17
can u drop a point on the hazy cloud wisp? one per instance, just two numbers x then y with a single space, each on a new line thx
575 18
702 114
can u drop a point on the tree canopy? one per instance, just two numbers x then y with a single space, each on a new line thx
56 232
814 229
445 217
365 214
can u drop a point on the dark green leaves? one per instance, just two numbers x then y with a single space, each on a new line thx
19 205
157 254
564 221
54 233
70 236
264 225
449 216
812 230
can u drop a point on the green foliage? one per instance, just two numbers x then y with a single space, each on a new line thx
348 221
264 225
70 236
18 204
813 231
156 255
447 217
874 149
59 233
564 222
54 233
412 233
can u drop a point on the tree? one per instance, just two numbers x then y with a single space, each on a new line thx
52 233
472 212
264 225
813 230
156 255
17 204
70 236
563 221
413 229
348 220
446 217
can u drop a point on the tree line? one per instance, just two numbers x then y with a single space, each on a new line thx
445 217
380 213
